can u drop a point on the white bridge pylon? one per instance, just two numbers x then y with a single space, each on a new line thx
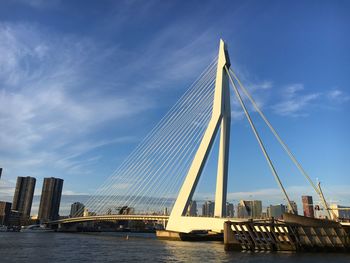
221 118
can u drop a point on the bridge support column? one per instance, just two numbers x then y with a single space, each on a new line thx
221 180
221 116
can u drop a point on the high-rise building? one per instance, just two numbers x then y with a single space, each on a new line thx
230 211
192 209
264 214
242 210
5 210
308 206
0 172
208 208
16 219
77 209
23 198
276 211
50 199
342 212
294 207
249 209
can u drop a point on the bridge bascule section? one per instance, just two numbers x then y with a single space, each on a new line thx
164 169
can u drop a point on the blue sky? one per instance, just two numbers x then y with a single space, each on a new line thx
82 82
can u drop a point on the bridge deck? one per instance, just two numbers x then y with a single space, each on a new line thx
110 218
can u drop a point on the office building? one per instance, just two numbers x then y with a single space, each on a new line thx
50 199
264 214
230 211
208 208
276 211
88 213
294 207
77 209
308 206
16 219
249 209
342 212
242 210
5 210
192 209
0 172
23 198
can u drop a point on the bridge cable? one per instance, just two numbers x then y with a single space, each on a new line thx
114 178
145 179
140 186
272 168
143 142
149 186
279 139
186 155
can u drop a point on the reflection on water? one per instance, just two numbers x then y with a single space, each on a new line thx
115 247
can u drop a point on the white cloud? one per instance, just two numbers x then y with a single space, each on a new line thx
7 188
237 115
294 103
47 106
265 85
70 192
52 98
338 96
260 92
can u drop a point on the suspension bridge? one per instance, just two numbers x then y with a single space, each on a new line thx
164 169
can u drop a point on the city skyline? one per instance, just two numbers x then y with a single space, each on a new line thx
146 68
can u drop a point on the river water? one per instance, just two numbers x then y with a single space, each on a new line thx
115 247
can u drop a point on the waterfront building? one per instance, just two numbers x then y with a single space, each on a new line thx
50 199
192 209
23 198
125 210
308 206
294 206
242 210
341 214
230 211
208 208
5 210
77 209
264 214
15 218
88 213
276 211
249 209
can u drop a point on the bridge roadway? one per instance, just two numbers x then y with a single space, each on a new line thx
139 217
109 218
190 223
200 222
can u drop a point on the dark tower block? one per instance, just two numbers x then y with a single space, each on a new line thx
308 206
23 198
50 199
5 210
